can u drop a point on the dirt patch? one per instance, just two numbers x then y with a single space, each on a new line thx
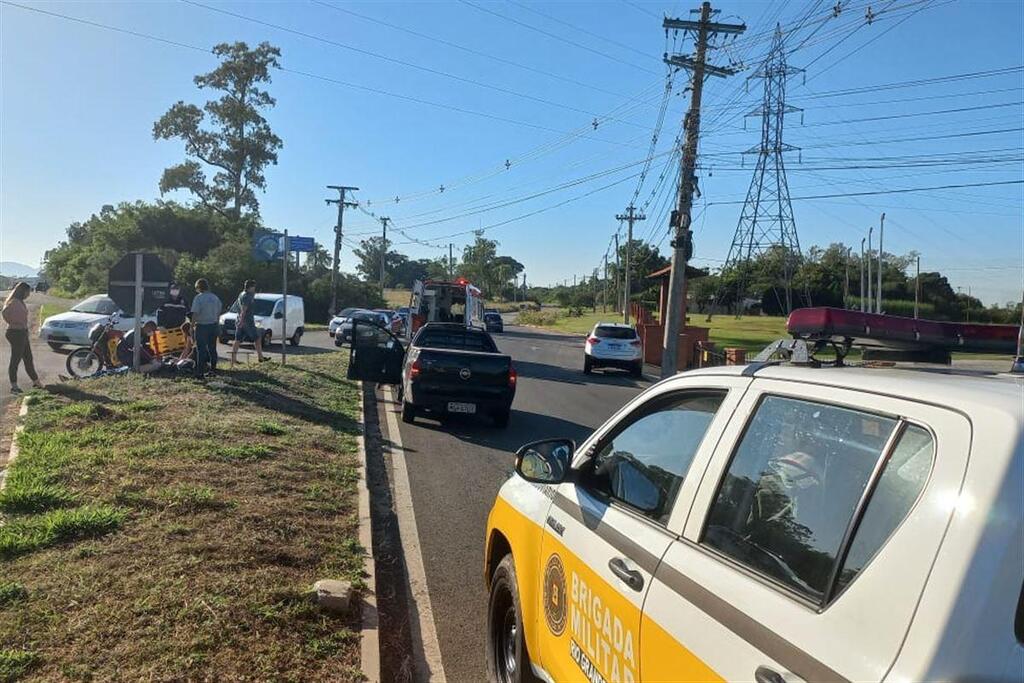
184 525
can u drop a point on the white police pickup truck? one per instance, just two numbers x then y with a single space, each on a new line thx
770 523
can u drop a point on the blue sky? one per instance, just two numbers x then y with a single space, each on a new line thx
77 104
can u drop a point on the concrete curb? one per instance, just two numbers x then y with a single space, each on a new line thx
22 412
369 655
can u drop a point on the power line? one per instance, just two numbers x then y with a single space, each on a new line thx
896 191
469 50
555 36
584 31
310 75
400 62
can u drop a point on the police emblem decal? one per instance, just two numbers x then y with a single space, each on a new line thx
555 607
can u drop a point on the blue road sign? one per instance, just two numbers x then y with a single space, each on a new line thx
266 246
304 244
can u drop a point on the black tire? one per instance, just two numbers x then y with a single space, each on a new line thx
501 418
507 659
56 346
267 337
637 370
83 362
408 413
588 367
297 337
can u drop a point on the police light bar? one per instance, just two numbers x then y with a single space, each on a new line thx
879 331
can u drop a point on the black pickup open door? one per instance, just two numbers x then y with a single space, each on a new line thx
376 355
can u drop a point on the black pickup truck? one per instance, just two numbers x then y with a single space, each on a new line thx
447 369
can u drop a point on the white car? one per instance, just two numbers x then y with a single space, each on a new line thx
613 345
341 317
72 327
268 312
770 523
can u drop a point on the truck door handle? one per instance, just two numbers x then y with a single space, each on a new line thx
630 577
765 675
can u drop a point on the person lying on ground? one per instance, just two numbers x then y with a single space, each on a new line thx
125 349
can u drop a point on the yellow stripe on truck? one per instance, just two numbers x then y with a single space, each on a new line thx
524 537
601 636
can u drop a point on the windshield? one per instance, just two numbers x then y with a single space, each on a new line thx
99 304
263 307
369 316
492 316
615 332
346 312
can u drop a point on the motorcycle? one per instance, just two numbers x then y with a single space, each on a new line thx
100 356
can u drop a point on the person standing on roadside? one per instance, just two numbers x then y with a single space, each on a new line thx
173 312
15 314
245 323
206 308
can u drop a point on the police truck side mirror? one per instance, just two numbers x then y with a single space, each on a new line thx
545 462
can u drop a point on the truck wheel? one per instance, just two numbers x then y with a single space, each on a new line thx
294 341
56 346
507 659
637 370
588 367
501 418
266 339
408 413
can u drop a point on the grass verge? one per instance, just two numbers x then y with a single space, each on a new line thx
750 332
170 529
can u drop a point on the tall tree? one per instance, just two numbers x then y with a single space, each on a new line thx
228 135
368 254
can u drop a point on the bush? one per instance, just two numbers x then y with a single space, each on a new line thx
539 318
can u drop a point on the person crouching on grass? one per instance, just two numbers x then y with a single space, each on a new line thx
245 323
125 348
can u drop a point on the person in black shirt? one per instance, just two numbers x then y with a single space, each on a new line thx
173 312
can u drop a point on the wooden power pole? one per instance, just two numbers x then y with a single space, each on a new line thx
682 242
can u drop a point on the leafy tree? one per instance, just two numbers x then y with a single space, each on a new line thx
228 135
80 263
368 254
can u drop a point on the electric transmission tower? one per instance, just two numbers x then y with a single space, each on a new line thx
766 223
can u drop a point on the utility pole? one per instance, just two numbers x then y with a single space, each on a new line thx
682 242
917 287
604 297
618 270
451 263
881 233
846 283
340 201
861 275
631 216
870 298
968 303
384 220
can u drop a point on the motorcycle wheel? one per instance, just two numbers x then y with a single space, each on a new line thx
84 362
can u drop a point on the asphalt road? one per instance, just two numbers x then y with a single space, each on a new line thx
455 471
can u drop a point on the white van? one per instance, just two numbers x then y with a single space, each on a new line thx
268 310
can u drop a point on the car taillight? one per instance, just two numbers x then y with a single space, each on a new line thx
635 342
593 340
414 369
512 376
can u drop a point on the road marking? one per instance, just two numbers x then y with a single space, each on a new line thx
418 593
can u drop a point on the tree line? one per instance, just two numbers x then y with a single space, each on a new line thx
823 276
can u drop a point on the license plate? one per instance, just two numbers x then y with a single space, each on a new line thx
469 408
615 346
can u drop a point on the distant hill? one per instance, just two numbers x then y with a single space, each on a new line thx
12 269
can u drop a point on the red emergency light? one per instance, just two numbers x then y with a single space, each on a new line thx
894 333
